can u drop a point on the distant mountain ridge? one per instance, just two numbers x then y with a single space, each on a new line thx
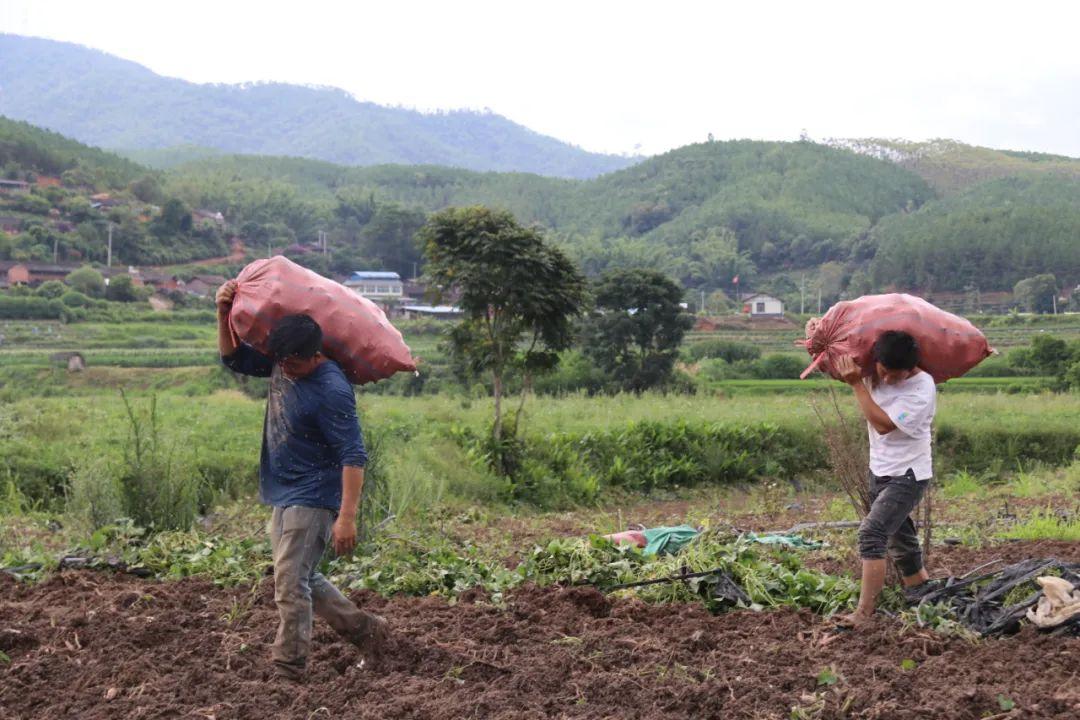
103 100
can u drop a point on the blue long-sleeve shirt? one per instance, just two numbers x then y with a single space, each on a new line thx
309 433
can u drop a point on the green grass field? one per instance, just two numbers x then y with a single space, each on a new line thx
29 345
65 430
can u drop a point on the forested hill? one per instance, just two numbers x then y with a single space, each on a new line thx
60 198
951 166
779 215
25 148
990 236
773 212
782 204
103 100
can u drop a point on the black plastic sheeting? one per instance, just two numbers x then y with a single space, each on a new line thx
979 601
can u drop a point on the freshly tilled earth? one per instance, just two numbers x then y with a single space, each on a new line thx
95 645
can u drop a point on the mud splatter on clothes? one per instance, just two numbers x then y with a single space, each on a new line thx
310 432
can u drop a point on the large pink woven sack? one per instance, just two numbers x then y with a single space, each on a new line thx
356 333
949 345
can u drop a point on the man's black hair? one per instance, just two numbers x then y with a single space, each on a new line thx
897 350
295 336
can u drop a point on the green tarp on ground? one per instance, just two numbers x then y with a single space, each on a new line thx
668 540
795 541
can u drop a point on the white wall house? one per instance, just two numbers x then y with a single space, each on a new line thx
760 305
376 285
439 312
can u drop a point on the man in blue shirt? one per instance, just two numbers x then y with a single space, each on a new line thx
311 471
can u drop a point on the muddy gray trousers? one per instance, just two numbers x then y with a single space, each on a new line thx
299 536
888 527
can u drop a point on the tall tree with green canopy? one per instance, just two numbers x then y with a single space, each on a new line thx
637 328
175 218
389 235
1036 293
518 293
86 280
121 288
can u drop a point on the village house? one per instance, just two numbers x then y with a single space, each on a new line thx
103 200
10 224
33 273
215 281
155 280
207 217
196 286
203 285
760 305
378 286
414 288
438 312
416 291
8 187
17 274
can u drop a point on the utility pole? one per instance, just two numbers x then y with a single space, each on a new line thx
702 302
108 262
55 244
819 300
802 294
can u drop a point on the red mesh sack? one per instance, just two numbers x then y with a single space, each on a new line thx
356 333
949 345
629 537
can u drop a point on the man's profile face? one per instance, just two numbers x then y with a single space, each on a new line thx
296 367
891 377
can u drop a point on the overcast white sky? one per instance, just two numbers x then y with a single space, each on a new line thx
631 76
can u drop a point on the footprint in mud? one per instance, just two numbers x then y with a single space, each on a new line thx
589 599
126 600
561 600
14 639
426 657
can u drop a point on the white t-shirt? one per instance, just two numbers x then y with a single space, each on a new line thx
910 404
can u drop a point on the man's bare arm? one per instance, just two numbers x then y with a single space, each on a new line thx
226 343
352 484
878 418
851 373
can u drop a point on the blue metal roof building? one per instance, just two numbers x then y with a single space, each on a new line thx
374 275
378 285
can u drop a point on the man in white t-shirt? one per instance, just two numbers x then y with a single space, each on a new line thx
898 401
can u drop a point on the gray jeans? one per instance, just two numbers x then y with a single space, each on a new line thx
888 527
299 536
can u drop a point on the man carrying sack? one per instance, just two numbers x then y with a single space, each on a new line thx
899 401
311 471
